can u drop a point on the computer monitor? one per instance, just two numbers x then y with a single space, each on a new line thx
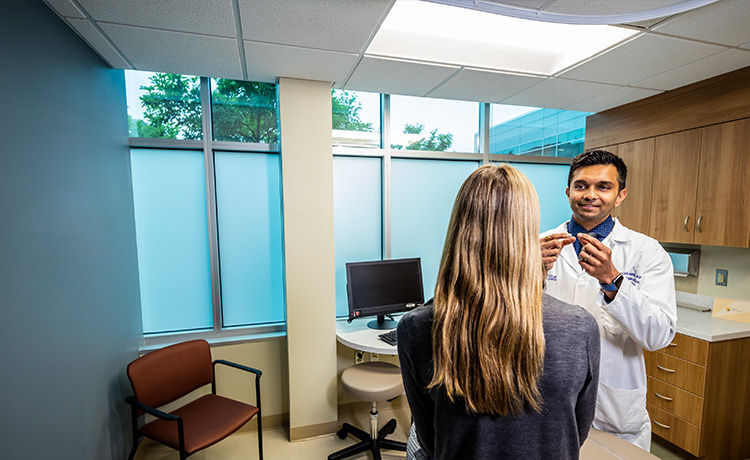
381 287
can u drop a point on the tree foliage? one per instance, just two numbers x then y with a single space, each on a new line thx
345 108
436 142
245 111
172 107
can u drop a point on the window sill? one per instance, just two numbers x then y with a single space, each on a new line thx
214 338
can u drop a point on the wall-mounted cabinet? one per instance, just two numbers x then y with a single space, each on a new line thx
690 187
634 212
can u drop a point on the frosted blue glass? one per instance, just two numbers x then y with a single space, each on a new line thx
249 216
169 197
549 181
357 217
422 195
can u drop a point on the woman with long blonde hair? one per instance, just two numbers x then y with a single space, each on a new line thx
495 368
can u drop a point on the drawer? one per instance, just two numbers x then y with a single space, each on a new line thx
688 348
675 371
681 403
675 430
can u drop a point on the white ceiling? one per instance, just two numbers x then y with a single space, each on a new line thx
326 40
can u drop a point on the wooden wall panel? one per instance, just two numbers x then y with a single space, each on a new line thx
716 100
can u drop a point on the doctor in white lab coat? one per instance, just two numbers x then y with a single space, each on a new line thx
623 278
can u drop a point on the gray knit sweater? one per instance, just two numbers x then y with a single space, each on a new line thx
568 387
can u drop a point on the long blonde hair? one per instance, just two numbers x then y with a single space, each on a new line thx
487 335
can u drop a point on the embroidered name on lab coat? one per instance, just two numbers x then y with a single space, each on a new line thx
634 277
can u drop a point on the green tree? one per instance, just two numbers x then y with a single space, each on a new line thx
416 128
345 108
171 107
245 111
436 142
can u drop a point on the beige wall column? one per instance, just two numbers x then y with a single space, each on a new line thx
307 172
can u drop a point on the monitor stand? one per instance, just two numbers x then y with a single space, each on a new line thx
382 323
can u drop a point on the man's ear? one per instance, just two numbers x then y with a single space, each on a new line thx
567 191
621 196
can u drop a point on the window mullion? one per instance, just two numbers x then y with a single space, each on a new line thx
484 132
213 231
385 116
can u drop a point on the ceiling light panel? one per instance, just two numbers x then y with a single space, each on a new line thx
445 34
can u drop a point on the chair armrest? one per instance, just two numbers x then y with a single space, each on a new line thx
257 372
151 410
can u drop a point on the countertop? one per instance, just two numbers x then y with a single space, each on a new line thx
702 325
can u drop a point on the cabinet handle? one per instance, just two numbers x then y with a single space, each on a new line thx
661 424
665 369
662 396
684 224
698 224
672 344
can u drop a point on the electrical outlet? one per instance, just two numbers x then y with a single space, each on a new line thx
374 357
721 277
359 357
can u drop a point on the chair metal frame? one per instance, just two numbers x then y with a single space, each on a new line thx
137 406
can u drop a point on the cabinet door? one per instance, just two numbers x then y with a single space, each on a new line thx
723 201
675 176
635 211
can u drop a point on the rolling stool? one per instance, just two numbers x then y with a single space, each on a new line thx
373 381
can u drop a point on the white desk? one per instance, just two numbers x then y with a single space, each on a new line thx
358 336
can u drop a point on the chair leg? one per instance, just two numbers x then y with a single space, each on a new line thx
351 450
136 443
260 438
393 445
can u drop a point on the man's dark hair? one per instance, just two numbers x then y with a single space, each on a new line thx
600 157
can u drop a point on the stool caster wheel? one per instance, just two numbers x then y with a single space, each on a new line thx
342 433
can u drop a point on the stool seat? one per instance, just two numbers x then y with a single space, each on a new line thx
373 381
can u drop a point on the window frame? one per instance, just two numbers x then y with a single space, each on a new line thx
218 334
387 154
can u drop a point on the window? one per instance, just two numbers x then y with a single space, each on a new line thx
248 211
207 264
419 123
355 119
422 198
244 111
169 197
549 181
163 105
518 130
357 217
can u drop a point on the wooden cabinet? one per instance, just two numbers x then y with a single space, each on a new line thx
675 180
699 396
690 187
635 211
723 201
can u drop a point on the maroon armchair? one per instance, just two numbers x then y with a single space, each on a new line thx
167 374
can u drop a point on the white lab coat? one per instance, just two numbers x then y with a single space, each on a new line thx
642 315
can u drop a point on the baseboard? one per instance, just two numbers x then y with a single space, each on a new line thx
299 433
270 422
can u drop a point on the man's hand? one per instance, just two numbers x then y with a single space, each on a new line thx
551 245
596 259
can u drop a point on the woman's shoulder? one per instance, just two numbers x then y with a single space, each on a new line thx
417 318
564 316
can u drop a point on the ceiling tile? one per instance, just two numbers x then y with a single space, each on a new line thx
214 17
618 97
641 58
96 40
177 52
338 25
397 77
726 22
557 93
266 62
699 70
483 86
65 8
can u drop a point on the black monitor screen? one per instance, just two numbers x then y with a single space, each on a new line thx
384 286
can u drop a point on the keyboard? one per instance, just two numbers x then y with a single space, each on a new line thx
389 337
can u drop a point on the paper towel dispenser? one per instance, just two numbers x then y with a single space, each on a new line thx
684 260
